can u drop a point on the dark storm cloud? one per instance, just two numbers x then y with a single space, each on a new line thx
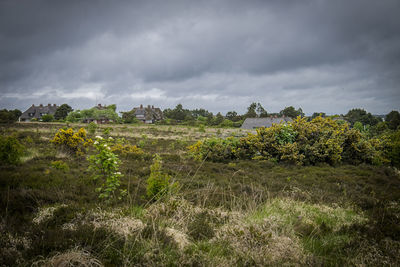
322 55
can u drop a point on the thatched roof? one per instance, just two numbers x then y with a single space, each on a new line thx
254 123
38 111
148 113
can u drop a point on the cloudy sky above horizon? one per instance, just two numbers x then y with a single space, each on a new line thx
319 55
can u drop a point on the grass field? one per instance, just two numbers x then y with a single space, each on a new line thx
243 213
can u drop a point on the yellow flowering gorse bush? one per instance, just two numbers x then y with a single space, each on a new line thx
73 142
302 142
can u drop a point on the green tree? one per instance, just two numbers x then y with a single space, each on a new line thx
261 112
112 107
291 112
200 112
393 119
251 111
218 119
255 110
9 116
129 117
47 118
232 116
178 113
62 112
362 116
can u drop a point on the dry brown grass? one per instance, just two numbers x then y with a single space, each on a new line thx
71 258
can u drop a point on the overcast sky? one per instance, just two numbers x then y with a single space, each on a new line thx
319 55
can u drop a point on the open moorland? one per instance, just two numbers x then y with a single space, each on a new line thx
59 206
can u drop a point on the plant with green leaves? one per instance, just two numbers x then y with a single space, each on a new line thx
92 127
11 150
158 183
105 165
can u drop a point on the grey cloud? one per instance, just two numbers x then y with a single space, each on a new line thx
323 55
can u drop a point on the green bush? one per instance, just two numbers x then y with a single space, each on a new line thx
47 118
60 165
107 131
393 148
216 149
92 127
158 183
321 140
11 150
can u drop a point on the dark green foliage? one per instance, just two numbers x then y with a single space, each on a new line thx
129 117
218 119
393 148
9 116
393 119
291 112
178 113
47 118
11 150
233 116
362 116
158 183
255 110
62 112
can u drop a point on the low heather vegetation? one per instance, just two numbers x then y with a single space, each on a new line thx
306 193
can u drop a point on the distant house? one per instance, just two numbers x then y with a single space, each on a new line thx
254 123
36 112
148 114
100 119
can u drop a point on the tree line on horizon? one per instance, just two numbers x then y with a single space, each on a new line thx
357 117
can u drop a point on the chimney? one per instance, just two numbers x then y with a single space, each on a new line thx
41 105
49 105
33 105
148 106
141 106
99 105
54 105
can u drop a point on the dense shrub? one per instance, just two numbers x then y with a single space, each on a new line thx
11 150
9 116
393 148
47 118
60 165
69 141
158 183
92 127
321 140
216 149
128 151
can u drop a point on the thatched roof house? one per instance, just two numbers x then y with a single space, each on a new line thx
254 123
36 112
148 114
